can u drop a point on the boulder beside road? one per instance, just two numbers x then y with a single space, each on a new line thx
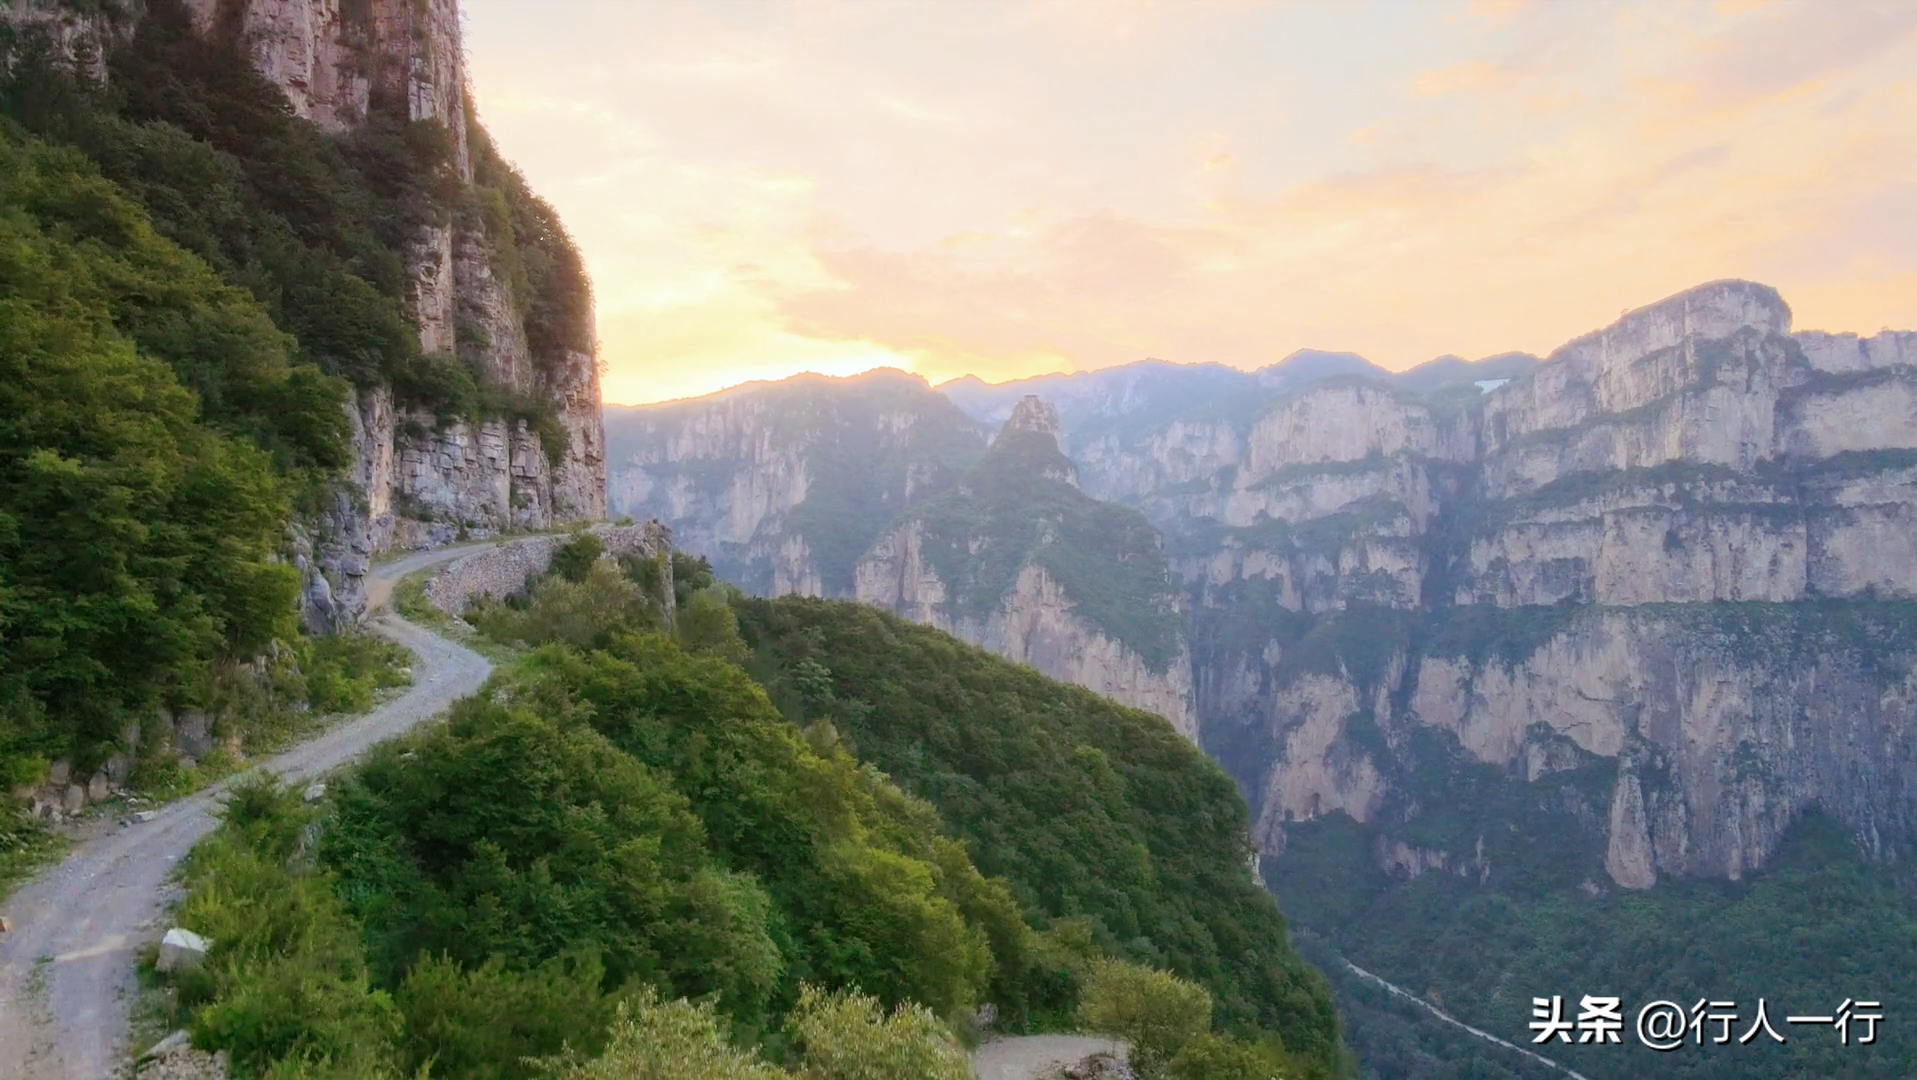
181 950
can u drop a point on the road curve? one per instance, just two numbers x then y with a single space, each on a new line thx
66 969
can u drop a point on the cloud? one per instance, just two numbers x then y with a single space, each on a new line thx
1777 49
1014 188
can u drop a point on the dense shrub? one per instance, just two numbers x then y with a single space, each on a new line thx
603 603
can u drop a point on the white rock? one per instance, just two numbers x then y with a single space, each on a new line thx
316 791
176 1041
181 950
145 816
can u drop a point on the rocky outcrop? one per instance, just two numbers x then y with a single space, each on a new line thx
989 564
174 1058
1658 582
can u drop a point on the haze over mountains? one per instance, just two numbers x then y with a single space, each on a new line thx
1162 388
1624 616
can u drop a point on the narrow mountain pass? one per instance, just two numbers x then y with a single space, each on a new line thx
67 966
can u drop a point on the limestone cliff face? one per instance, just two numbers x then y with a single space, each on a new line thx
416 481
1659 582
742 510
782 486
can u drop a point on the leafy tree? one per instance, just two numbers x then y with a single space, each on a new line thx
850 1036
600 605
690 574
705 624
136 539
1218 1057
1156 1012
486 1022
573 559
674 1040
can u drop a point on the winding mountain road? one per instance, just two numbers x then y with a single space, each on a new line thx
66 969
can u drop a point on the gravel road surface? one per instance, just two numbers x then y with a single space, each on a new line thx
66 969
1028 1057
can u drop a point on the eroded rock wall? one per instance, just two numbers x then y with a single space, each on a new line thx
782 486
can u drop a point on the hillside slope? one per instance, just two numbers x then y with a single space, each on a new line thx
1089 808
625 815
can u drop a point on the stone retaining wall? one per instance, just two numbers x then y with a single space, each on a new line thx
504 569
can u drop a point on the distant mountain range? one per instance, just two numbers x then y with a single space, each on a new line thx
1497 651
1157 390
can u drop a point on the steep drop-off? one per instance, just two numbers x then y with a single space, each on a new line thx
876 488
1509 650
422 473
1678 547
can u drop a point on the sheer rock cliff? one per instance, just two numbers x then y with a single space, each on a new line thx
1664 579
417 479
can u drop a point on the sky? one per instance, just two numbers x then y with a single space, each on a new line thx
1005 188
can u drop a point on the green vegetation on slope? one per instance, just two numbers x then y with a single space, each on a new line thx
190 279
316 226
614 824
1522 904
291 986
1091 811
138 519
1014 510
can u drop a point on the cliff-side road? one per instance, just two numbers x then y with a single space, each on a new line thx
66 969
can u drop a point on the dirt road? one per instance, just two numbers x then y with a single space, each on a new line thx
66 970
1027 1057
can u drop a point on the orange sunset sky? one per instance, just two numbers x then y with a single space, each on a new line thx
1006 188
